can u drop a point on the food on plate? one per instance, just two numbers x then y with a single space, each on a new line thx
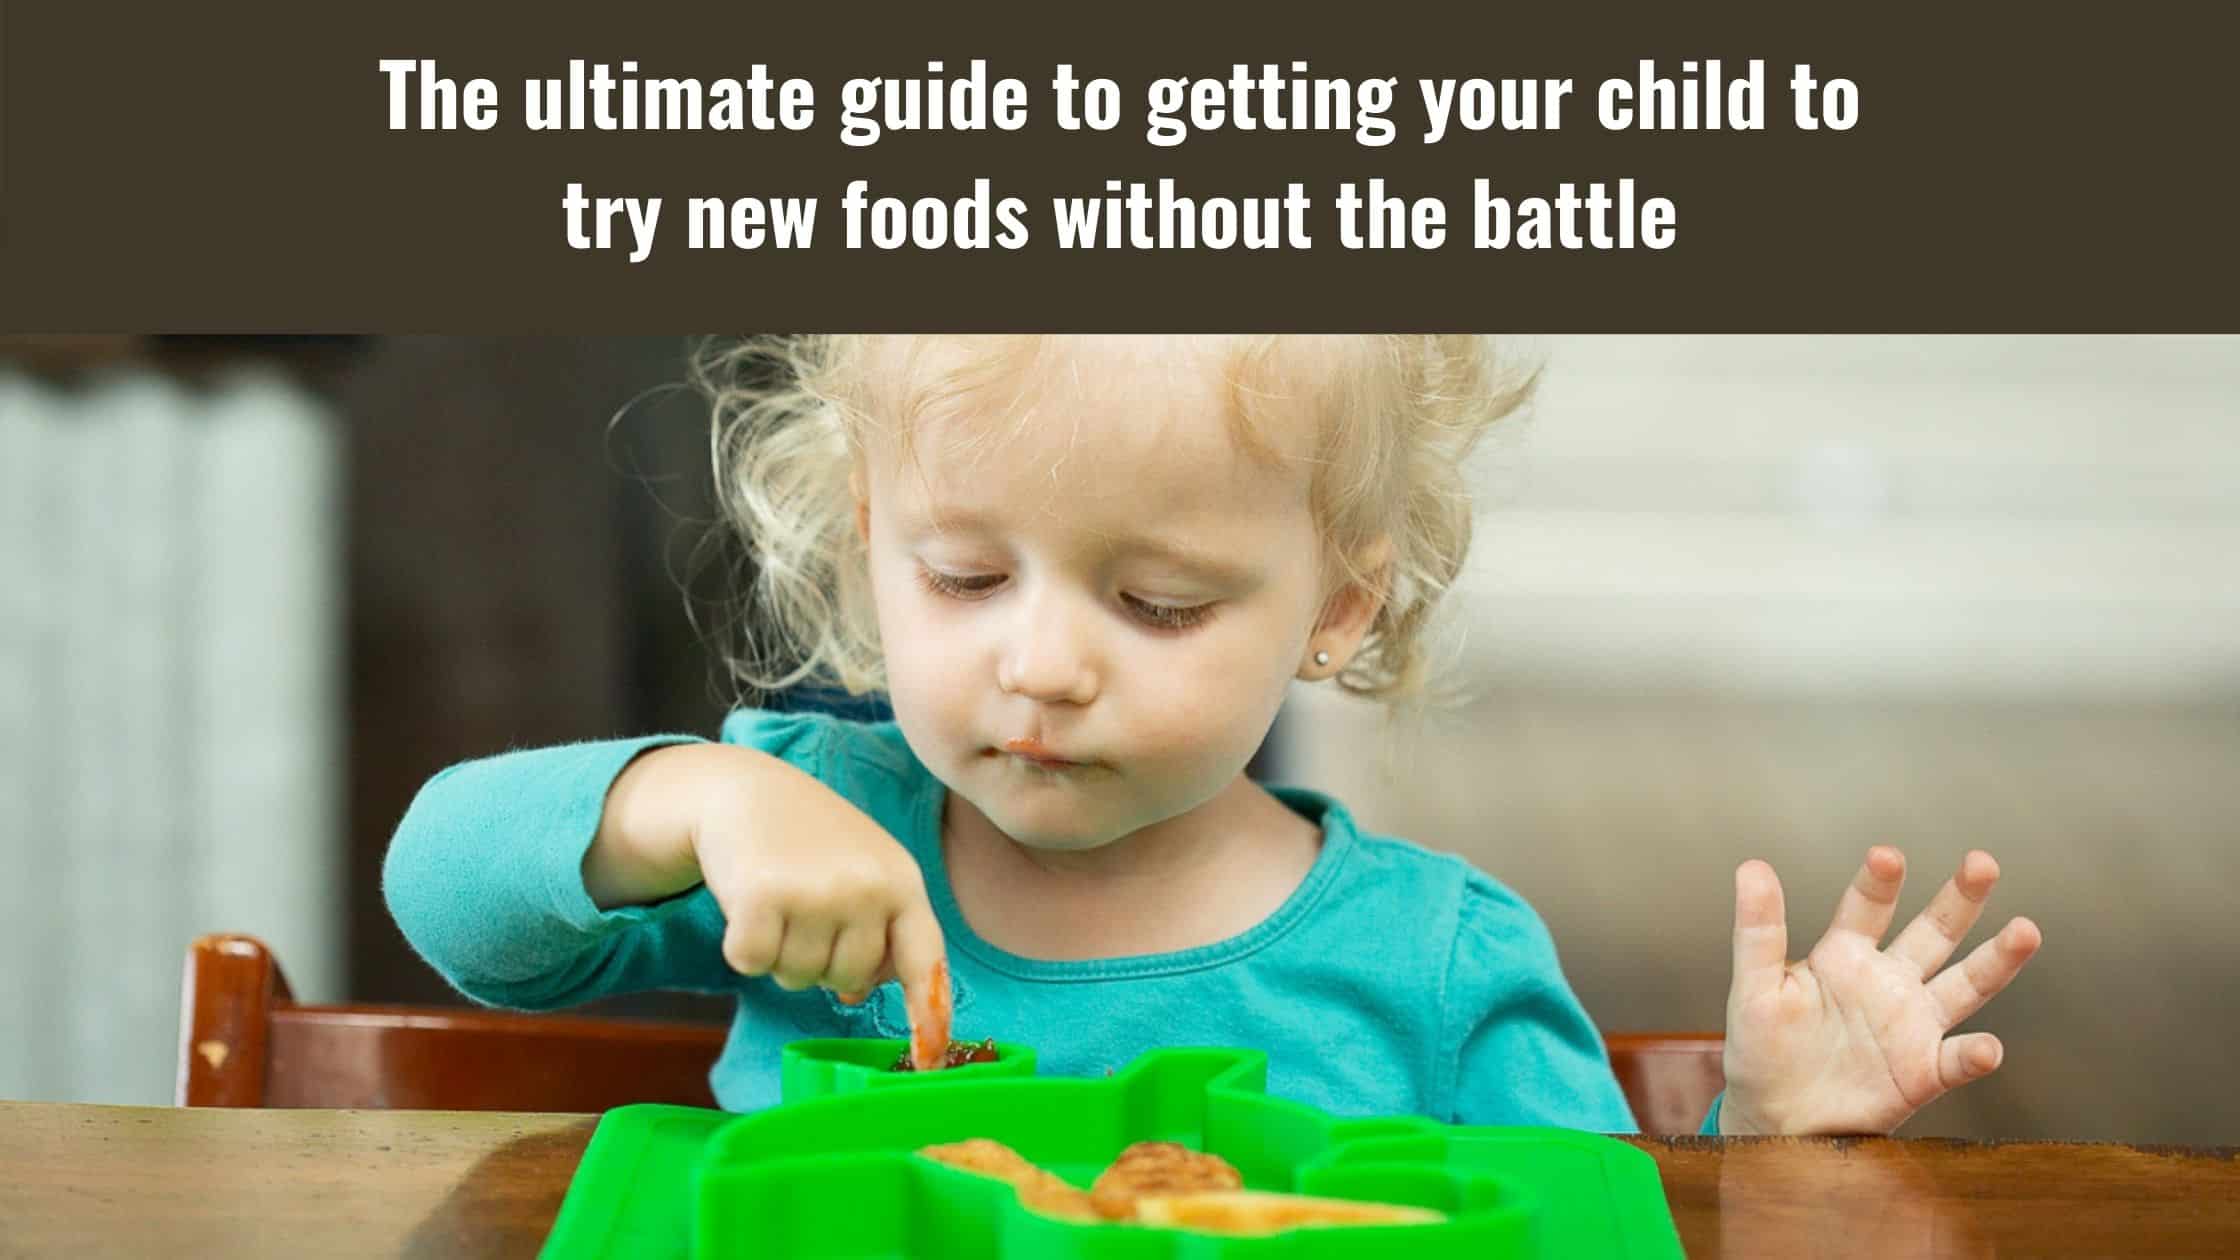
958 1054
1259 1212
1169 1186
1158 1168
1041 1191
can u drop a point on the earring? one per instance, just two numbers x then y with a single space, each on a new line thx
1322 658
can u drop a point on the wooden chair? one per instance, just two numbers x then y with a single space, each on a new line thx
244 1042
1669 1078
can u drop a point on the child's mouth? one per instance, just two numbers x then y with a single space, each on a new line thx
1035 753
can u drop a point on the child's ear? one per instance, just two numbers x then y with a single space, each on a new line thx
863 504
1349 612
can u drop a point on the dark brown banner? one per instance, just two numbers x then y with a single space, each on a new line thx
1116 167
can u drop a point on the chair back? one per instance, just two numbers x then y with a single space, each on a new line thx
245 1042
1669 1078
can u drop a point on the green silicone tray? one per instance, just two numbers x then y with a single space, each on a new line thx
830 1173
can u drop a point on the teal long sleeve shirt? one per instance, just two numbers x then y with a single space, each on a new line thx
1393 981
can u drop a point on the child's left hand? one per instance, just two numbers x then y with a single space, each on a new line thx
1852 1039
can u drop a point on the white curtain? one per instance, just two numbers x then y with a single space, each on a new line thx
170 612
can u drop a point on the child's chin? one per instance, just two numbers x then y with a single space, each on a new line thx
1055 841
1033 829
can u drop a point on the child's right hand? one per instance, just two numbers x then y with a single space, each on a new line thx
813 892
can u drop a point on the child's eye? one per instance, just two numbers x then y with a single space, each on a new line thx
1167 616
967 586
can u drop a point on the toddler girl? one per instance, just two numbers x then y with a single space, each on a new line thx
1084 573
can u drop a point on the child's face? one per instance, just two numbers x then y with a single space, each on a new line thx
1089 619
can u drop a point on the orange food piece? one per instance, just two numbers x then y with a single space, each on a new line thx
1158 1168
1169 1186
1041 1191
1258 1212
929 1029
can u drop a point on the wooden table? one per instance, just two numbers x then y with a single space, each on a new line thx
87 1181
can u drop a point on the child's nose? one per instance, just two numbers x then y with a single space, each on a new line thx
1046 657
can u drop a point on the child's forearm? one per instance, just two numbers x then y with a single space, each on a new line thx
644 850
485 879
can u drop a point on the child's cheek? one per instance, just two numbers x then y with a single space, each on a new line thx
932 687
1203 715
926 653
923 690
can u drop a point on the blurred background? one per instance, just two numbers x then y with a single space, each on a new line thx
1731 597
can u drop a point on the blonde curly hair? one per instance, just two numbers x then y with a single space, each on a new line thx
1394 416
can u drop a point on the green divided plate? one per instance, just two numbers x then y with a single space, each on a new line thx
830 1174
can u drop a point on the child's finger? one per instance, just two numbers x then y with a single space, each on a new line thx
857 954
1872 900
1961 990
806 954
1761 927
1938 930
751 939
920 960
882 975
1968 1057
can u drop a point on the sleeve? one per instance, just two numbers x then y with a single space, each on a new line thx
485 879
1711 1118
1524 1050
